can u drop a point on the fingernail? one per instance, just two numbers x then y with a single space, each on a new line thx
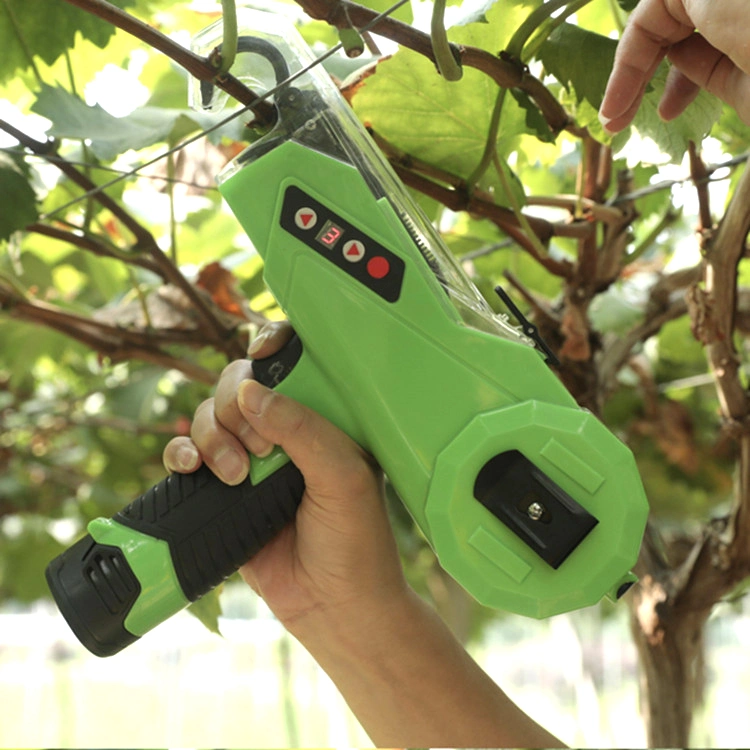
265 451
605 123
186 457
258 342
253 442
230 466
252 396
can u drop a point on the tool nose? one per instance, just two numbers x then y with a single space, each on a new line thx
622 587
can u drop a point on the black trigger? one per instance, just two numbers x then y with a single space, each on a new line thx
270 371
528 328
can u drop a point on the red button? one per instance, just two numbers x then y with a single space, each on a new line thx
354 251
305 218
378 267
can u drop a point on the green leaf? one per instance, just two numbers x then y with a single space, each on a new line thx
469 12
486 24
19 199
673 138
535 122
443 123
45 29
110 136
208 609
628 5
404 13
579 59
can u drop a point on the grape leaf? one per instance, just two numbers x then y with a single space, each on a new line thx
19 200
486 24
110 136
673 137
45 28
469 12
580 59
404 13
444 124
535 122
208 609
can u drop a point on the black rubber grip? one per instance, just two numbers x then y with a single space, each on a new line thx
270 371
213 528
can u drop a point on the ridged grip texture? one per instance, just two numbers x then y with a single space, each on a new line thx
213 528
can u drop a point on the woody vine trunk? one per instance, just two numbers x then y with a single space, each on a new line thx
681 582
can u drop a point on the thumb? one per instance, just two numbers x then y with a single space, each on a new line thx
333 465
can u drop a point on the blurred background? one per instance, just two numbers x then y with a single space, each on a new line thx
181 686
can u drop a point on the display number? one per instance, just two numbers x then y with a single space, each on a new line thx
330 234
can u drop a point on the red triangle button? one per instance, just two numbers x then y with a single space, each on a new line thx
354 251
305 218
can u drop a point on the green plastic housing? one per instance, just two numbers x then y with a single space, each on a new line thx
433 384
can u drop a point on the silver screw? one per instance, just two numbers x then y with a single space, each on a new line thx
535 511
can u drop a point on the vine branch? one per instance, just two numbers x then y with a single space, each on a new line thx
504 72
146 244
118 343
197 66
93 245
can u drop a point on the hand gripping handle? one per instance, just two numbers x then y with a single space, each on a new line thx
213 528
210 528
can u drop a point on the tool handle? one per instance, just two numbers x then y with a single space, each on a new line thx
121 579
213 528
210 528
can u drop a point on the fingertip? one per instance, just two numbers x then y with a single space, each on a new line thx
606 123
272 337
665 114
230 466
252 397
679 93
181 456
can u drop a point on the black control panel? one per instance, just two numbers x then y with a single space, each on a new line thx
342 244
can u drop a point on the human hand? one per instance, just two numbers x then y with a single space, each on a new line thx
716 58
339 553
333 576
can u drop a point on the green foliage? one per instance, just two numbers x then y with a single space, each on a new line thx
19 199
692 125
447 123
111 136
579 59
208 609
45 29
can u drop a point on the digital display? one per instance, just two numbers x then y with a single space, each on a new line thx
330 234
346 246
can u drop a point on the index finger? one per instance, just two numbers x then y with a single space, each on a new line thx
272 337
653 27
